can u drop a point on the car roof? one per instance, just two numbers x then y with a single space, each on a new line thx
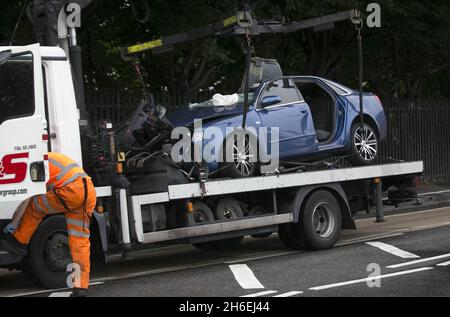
347 90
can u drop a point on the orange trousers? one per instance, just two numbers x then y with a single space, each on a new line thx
78 221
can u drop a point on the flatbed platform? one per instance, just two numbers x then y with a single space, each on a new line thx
235 186
281 181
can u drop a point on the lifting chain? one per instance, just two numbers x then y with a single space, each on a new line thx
249 53
359 27
147 95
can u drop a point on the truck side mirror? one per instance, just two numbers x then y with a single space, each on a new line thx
270 101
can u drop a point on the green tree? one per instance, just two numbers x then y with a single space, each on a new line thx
407 57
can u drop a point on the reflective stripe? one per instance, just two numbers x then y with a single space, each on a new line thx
52 161
37 205
65 170
78 223
74 178
75 233
35 201
46 204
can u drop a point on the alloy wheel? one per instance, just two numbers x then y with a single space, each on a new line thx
244 158
366 143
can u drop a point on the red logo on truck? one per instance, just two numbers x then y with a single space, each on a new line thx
13 172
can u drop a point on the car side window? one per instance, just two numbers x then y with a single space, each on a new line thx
16 89
284 89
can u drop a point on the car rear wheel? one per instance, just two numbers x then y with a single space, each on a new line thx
243 162
365 144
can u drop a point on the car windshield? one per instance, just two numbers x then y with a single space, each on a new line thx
224 101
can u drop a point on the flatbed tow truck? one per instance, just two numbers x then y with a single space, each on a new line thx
159 206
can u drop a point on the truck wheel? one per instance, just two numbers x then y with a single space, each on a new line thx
202 215
49 254
229 209
320 222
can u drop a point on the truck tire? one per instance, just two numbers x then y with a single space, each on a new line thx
320 222
49 254
205 213
227 209
202 214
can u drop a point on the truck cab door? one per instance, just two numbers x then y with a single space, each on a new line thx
23 128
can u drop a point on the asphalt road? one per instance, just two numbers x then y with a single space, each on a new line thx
304 271
359 266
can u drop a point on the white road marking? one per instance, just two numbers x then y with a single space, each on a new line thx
36 292
3 252
444 264
48 291
61 294
435 193
393 250
245 277
395 266
260 294
432 226
290 294
368 279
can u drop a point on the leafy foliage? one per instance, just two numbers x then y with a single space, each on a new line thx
407 57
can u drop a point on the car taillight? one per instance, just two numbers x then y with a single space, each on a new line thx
379 100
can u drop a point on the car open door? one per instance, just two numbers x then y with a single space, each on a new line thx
23 128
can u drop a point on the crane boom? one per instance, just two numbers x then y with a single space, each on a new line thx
240 24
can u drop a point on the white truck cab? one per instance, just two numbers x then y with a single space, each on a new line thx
38 114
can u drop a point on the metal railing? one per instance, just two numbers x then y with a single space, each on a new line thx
420 130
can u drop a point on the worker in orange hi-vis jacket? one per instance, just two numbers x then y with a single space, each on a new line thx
69 191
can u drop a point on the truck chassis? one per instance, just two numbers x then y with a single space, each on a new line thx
287 200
